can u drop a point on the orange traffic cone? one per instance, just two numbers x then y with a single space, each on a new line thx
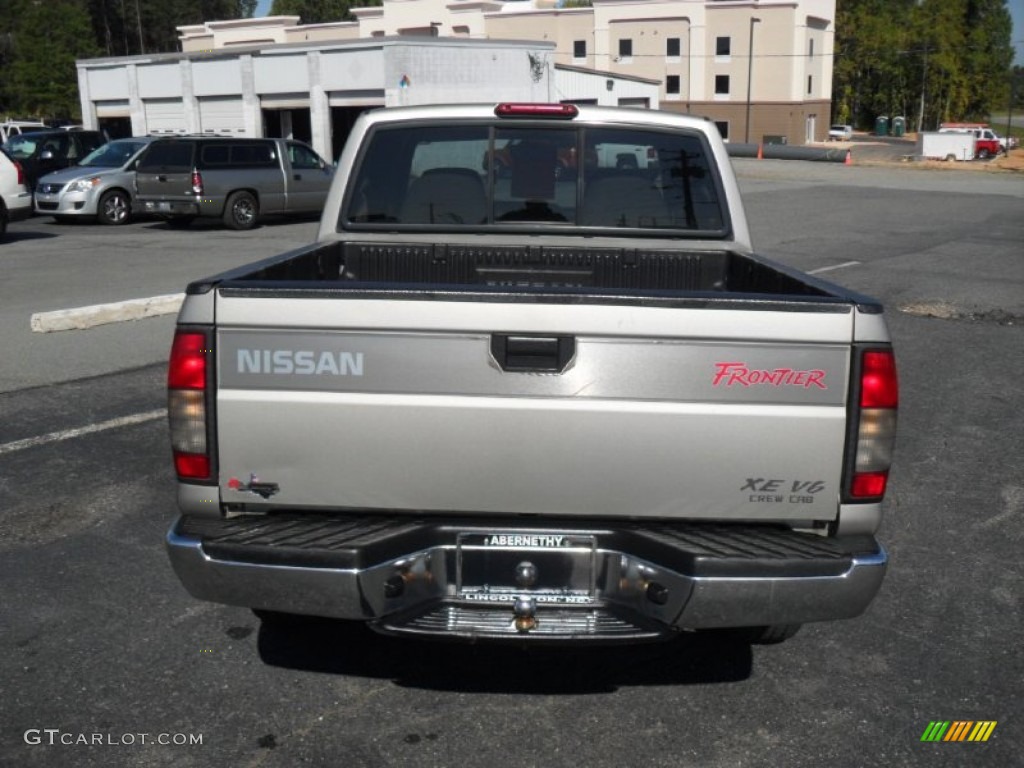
760 151
849 158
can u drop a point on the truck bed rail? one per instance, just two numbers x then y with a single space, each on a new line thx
531 266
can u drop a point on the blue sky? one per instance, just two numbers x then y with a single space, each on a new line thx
1016 11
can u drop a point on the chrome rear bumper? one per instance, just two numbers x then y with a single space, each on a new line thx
641 581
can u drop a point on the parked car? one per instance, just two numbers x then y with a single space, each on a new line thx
840 132
42 152
15 196
236 180
100 186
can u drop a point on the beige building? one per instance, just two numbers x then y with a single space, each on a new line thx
770 60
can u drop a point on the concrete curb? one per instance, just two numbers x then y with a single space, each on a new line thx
79 318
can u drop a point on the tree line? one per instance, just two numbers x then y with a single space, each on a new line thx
930 61
41 39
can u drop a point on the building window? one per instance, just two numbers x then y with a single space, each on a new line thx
723 128
672 85
626 49
721 85
810 84
635 101
672 47
723 47
579 49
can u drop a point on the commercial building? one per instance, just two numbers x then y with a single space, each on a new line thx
761 69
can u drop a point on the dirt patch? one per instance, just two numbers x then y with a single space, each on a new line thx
943 310
1014 161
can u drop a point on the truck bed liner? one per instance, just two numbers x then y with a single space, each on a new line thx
527 267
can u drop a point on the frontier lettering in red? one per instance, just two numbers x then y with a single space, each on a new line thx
738 374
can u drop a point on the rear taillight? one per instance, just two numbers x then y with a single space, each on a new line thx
877 400
21 172
188 378
197 183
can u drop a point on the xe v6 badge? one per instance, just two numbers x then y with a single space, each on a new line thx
266 490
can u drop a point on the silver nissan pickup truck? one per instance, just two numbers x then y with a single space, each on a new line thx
565 402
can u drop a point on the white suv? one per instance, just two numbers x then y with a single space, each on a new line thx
15 197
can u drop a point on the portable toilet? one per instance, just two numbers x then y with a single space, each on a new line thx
899 126
882 125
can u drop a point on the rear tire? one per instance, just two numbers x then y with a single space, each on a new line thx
3 219
984 154
115 208
242 211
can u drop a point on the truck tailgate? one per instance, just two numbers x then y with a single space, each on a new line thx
518 407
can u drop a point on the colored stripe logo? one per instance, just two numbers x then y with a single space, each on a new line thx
959 730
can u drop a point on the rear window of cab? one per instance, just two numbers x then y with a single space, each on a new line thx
462 176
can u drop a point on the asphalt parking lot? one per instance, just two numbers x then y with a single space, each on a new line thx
97 638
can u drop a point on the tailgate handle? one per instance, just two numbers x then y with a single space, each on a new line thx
520 353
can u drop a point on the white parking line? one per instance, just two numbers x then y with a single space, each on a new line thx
845 264
67 434
79 318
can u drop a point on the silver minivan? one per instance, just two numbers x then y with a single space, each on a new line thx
100 186
237 180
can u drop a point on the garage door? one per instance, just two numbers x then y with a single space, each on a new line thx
165 116
221 115
113 108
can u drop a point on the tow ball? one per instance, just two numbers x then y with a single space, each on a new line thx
525 606
525 610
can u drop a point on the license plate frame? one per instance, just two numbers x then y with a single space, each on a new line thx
565 565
